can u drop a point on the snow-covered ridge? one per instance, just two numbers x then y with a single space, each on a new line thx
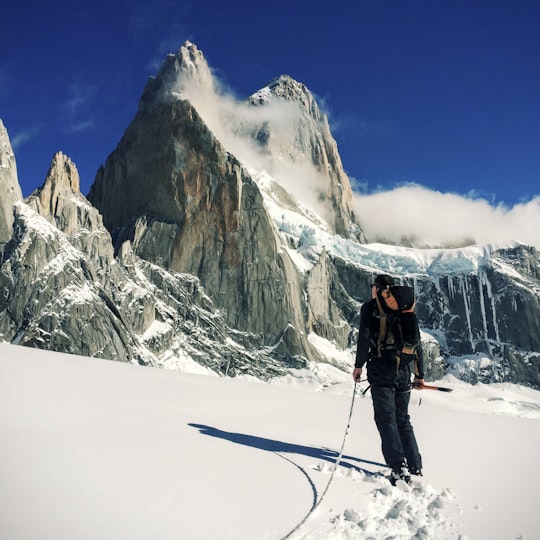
376 257
306 226
408 261
40 225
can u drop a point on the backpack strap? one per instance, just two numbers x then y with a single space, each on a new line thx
382 327
383 330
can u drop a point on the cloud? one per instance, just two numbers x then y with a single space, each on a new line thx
76 106
266 138
433 218
79 97
82 125
24 136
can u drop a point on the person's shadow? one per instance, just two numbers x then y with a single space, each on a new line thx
280 447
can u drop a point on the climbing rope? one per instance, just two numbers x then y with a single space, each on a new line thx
336 464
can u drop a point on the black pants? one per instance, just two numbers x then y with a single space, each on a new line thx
391 408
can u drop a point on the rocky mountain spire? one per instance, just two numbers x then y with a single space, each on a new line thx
10 190
63 289
61 203
286 126
61 185
309 141
179 73
173 191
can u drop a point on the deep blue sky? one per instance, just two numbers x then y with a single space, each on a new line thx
442 93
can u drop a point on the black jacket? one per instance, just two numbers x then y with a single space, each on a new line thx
380 370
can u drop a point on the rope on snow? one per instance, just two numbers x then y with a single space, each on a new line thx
336 464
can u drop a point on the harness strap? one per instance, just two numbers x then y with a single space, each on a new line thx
382 327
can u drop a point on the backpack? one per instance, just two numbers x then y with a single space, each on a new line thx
398 326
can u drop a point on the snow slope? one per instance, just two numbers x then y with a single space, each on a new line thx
91 449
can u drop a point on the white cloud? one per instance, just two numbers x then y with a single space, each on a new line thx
235 123
83 125
79 98
428 217
76 108
24 136
432 218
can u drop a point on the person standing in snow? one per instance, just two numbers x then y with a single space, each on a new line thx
390 389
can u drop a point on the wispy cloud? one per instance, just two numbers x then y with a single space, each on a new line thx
24 136
83 125
77 108
239 126
433 218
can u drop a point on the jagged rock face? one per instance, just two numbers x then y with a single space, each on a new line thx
283 123
63 290
64 303
180 72
479 312
328 305
60 202
172 190
495 311
10 191
50 297
308 139
189 328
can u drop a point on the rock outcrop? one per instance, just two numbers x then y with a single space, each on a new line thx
64 290
186 204
53 297
9 186
304 138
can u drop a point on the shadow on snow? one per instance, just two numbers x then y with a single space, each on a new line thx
279 447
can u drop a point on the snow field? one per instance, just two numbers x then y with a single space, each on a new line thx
93 449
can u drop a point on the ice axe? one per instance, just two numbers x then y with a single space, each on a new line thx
431 387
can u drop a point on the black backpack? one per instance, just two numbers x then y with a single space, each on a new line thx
398 327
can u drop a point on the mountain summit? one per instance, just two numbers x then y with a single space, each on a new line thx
183 187
179 73
280 130
308 143
185 203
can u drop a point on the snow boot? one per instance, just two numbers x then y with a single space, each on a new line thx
400 473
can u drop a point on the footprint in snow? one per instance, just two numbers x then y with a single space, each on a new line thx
420 512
